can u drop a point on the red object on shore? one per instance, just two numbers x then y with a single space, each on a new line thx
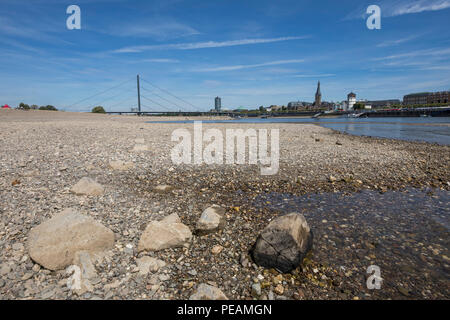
6 107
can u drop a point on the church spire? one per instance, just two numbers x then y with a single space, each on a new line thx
318 101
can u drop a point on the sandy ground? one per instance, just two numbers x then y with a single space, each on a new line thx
43 154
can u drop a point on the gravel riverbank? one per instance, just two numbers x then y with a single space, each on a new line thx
44 154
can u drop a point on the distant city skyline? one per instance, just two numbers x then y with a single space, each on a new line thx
250 53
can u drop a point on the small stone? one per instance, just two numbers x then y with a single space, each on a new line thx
211 220
208 292
47 294
192 272
148 264
164 277
403 291
5 269
278 279
256 290
164 234
83 260
18 246
27 276
163 188
216 249
88 186
279 289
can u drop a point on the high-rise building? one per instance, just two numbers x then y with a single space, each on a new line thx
217 104
318 100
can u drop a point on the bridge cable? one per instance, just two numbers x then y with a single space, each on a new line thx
162 98
97 94
152 101
195 108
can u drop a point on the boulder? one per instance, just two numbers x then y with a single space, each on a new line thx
121 165
164 234
88 186
211 220
208 292
54 243
284 243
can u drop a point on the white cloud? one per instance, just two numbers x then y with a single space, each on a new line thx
314 75
418 53
248 66
407 7
161 60
208 44
159 29
390 43
393 8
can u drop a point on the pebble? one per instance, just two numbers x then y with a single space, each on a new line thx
256 290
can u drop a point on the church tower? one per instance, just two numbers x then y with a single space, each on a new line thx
318 101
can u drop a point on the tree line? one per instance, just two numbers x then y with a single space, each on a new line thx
24 106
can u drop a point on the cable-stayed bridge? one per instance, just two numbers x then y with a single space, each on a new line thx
139 96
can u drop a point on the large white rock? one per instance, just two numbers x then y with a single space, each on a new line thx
88 186
211 220
164 234
208 292
54 243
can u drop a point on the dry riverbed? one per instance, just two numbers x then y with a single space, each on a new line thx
361 196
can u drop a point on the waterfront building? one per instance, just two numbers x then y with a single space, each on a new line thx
383 103
298 105
351 100
427 98
217 104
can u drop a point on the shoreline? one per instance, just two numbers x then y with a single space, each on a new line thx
347 183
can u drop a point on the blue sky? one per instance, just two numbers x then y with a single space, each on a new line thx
250 53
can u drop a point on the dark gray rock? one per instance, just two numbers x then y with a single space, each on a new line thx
284 243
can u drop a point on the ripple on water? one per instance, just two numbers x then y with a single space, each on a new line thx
367 207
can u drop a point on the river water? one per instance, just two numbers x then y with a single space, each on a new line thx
429 129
